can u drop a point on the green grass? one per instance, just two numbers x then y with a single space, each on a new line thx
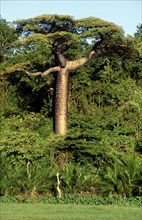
68 212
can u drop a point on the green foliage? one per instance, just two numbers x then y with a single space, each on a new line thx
19 135
7 37
8 99
27 179
76 199
101 153
40 35
75 178
122 177
138 33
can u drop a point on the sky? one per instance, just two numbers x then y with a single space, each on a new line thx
125 13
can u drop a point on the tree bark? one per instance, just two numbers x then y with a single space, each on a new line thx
62 93
61 102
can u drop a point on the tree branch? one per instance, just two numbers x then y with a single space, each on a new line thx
51 70
45 73
59 57
58 53
58 186
33 74
74 65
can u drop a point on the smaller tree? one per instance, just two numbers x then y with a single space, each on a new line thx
138 33
7 37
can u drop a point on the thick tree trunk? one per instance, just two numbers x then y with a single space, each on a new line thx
62 90
61 102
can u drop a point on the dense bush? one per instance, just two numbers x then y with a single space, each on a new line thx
100 154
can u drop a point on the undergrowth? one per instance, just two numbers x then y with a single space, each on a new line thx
73 199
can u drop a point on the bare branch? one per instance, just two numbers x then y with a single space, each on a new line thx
58 53
58 186
59 57
96 49
45 73
51 70
62 59
76 64
33 74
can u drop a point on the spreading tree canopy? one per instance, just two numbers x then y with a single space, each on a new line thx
62 45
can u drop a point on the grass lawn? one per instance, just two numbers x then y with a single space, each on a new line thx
68 212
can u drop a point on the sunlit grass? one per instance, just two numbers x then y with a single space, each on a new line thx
68 212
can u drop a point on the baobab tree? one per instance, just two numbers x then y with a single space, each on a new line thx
61 35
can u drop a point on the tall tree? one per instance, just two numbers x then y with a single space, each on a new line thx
65 38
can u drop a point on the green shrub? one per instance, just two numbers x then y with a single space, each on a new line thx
74 199
122 178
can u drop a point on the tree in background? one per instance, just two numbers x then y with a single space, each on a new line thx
138 33
7 37
65 39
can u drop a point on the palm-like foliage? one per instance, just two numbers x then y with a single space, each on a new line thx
78 179
132 174
27 178
122 178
